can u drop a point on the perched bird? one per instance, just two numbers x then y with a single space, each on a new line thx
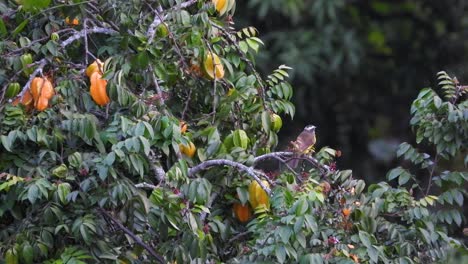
304 144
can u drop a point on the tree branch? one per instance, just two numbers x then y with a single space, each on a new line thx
224 162
429 183
82 33
137 240
42 63
286 154
244 58
158 19
145 185
208 205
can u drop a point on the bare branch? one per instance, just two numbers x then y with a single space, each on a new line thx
158 19
137 240
234 238
208 205
224 162
152 28
82 33
285 154
145 185
33 42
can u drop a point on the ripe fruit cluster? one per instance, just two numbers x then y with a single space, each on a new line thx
38 95
42 91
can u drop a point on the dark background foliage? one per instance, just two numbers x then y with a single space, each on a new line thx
357 67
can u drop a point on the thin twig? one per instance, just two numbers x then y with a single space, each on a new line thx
244 58
137 240
436 159
14 52
234 238
187 103
158 90
208 205
176 46
85 36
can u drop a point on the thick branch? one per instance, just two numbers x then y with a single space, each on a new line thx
224 162
82 33
145 185
137 240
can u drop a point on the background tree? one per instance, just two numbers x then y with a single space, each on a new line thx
156 153
357 65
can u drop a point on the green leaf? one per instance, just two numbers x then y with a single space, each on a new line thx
280 253
33 193
3 30
285 233
63 190
404 178
6 142
266 121
365 239
20 27
27 253
394 173
301 207
403 148
243 46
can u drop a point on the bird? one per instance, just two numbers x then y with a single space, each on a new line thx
304 144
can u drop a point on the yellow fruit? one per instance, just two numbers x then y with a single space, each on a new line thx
221 6
96 66
189 150
98 89
212 66
257 196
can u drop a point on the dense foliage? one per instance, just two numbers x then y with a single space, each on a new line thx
157 154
